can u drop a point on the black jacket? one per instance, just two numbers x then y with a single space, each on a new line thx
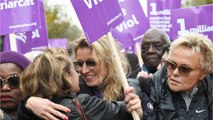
94 108
148 111
171 106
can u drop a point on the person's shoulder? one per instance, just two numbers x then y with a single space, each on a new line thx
135 72
4 116
207 82
85 97
160 74
133 83
82 96
131 79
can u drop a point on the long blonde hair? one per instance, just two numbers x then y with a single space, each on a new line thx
111 87
44 77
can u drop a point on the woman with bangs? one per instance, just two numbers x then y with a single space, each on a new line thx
96 66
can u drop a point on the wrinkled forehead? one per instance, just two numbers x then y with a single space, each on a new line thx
184 52
153 38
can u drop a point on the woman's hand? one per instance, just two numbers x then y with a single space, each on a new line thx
133 102
46 109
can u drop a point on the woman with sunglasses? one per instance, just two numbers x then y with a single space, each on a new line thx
96 65
12 65
98 77
183 88
52 76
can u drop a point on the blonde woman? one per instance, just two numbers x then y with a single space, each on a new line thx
96 65
98 76
52 76
182 89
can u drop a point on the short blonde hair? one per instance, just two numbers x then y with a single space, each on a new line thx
44 77
198 43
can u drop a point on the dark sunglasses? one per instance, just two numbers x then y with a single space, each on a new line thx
79 64
183 69
12 80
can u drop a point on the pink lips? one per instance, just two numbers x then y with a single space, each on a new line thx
5 98
174 81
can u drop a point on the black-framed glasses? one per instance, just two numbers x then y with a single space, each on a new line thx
182 69
12 80
89 63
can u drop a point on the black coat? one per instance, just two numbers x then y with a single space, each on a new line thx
171 105
94 108
148 111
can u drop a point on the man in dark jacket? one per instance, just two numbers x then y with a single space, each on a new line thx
153 45
183 88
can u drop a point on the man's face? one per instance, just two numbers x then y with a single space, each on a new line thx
184 70
152 51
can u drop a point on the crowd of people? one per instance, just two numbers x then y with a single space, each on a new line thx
82 82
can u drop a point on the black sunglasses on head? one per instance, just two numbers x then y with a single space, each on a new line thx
12 80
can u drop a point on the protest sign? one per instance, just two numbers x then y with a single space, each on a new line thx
159 13
31 40
135 22
97 17
18 16
196 19
60 42
40 36
18 42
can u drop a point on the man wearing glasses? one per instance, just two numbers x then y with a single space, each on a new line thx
11 66
183 88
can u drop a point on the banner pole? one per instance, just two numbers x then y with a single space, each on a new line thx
138 51
120 69
13 45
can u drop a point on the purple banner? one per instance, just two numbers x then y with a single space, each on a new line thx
18 16
159 12
135 22
196 20
30 40
40 36
97 17
62 42
20 43
126 40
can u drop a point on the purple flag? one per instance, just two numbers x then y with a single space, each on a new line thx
126 40
20 44
62 42
159 12
40 36
135 22
196 20
97 17
18 16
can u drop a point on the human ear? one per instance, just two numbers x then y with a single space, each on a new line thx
203 75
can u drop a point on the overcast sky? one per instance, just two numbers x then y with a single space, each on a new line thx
68 9
71 12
